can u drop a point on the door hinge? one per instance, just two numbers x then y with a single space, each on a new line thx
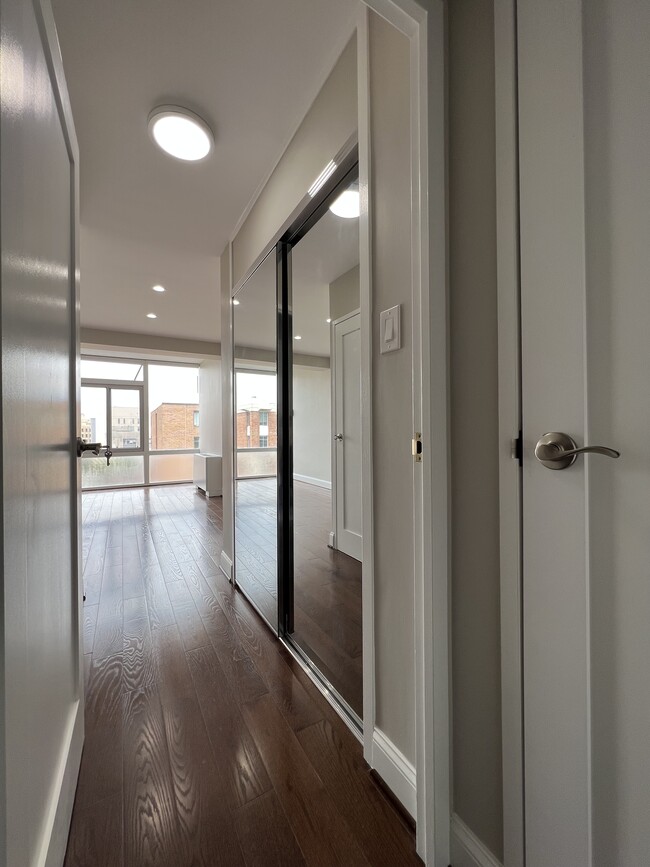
518 449
416 448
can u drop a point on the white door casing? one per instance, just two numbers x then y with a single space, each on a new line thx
41 720
584 116
347 425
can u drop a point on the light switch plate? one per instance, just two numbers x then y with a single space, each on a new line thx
390 337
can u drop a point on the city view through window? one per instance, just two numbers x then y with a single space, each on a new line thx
115 391
256 424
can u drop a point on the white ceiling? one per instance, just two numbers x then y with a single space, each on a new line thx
251 68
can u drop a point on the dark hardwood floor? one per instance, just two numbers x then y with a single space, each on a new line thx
206 743
327 583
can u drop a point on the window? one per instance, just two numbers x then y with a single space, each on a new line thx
255 389
113 413
173 406
264 442
264 416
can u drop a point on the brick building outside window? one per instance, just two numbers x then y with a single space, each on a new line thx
257 428
175 426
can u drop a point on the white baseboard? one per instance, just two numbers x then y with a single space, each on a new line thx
310 480
225 564
466 848
56 826
395 770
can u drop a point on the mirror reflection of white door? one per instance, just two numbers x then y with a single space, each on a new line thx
346 430
584 120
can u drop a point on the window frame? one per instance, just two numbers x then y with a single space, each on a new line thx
143 386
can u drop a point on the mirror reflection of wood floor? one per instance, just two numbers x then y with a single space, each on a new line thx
206 743
327 616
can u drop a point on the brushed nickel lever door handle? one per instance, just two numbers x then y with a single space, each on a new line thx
557 451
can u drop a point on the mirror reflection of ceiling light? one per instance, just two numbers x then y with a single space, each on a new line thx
151 316
235 302
158 288
348 205
180 133
328 321
298 337
327 172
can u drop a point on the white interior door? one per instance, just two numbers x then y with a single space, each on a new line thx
41 715
584 127
347 435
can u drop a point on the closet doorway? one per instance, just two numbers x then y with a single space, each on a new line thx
307 585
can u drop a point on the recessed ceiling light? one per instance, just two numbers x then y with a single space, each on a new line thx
235 302
151 316
348 204
180 133
328 321
297 337
158 288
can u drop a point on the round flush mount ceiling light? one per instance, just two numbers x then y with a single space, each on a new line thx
180 133
158 288
151 316
235 302
348 204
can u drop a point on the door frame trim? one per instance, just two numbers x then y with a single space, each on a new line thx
334 534
510 424
423 23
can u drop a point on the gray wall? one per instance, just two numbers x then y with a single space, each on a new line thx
476 686
391 388
344 294
210 406
328 124
312 423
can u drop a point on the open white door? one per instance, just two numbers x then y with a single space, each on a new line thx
41 718
347 435
584 124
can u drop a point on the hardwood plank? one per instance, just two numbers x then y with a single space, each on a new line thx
90 622
295 704
100 775
379 828
320 830
235 752
189 623
96 835
152 836
200 792
265 835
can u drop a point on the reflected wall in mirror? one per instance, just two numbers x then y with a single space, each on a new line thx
255 439
327 447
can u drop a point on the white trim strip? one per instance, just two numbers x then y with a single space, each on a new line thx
225 564
310 480
395 770
466 848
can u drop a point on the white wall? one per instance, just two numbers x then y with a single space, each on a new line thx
391 392
210 406
312 424
328 124
344 294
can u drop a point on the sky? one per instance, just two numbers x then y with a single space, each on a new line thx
256 389
166 384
